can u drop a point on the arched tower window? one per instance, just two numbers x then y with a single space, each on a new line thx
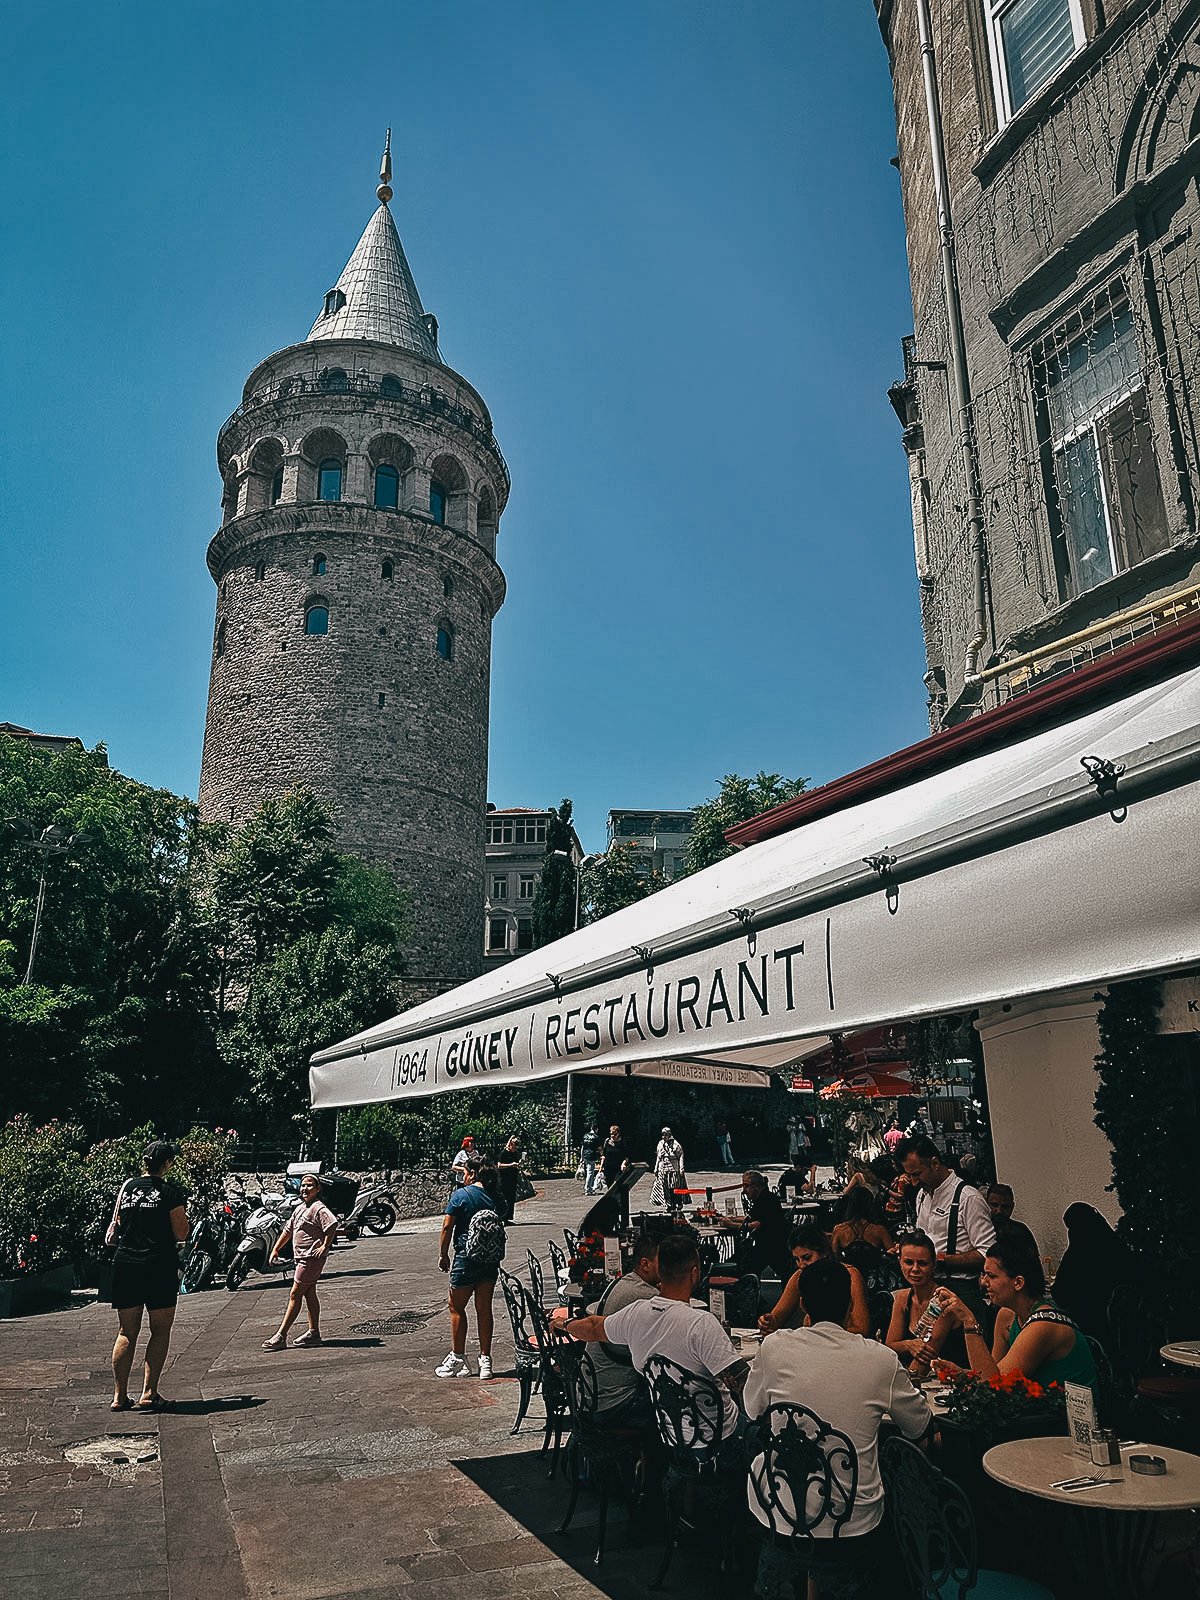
329 479
229 496
277 487
264 475
333 381
390 387
485 518
447 585
260 571
316 617
445 640
387 488
318 565
388 571
220 643
437 502
448 493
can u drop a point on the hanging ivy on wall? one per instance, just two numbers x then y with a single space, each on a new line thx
1144 1105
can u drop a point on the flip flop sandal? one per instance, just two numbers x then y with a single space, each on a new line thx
157 1403
121 1405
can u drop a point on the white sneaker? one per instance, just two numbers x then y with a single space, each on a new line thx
453 1367
485 1366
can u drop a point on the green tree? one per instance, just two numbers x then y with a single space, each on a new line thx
737 800
553 907
615 880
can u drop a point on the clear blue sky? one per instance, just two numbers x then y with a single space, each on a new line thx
663 240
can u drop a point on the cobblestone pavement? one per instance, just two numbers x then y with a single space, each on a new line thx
348 1472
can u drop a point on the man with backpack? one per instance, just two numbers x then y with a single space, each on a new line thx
472 1225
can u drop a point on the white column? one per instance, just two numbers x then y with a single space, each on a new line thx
1040 1059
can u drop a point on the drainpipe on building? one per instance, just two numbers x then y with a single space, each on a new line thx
959 380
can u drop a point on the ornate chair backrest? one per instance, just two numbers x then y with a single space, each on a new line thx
689 1412
572 1240
537 1283
803 1472
520 1314
557 1260
866 1257
578 1377
934 1525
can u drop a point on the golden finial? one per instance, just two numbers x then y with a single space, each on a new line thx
384 190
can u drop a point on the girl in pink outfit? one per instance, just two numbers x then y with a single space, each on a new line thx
312 1229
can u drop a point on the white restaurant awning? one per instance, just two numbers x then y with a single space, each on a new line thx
1007 875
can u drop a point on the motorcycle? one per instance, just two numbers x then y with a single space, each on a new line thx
262 1231
211 1243
374 1209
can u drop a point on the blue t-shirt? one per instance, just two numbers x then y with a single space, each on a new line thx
462 1206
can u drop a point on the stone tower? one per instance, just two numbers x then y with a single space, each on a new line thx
356 582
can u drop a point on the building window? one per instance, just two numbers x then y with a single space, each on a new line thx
333 380
526 885
445 641
334 301
277 487
497 933
437 502
516 830
1030 40
260 571
524 933
387 571
318 566
1106 498
391 388
220 647
387 488
329 480
499 886
382 701
447 586
316 619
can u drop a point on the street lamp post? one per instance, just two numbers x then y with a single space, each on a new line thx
52 841
587 861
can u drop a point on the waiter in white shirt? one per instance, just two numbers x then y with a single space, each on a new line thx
954 1215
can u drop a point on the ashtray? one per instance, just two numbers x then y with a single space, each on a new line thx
1148 1466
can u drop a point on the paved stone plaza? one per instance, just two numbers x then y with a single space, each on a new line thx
348 1471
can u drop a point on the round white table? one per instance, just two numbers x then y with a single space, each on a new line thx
1121 1542
1184 1353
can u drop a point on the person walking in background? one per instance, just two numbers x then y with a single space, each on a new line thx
474 1229
615 1162
724 1147
508 1176
668 1171
893 1136
458 1167
148 1221
589 1156
312 1228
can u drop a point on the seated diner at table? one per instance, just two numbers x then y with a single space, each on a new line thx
944 1338
1033 1336
858 1224
763 1228
809 1245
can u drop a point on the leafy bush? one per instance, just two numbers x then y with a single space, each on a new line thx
41 1195
205 1155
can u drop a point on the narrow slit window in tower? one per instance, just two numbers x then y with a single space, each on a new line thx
260 571
445 641
318 566
387 571
447 585
277 487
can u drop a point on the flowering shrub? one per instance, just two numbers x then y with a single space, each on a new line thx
587 1258
41 1195
994 1405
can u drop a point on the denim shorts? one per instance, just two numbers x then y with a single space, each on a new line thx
465 1273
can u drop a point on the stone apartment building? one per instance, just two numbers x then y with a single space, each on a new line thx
1054 451
515 851
356 578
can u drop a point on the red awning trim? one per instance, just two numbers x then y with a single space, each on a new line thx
1060 700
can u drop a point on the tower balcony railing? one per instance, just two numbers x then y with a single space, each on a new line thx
421 400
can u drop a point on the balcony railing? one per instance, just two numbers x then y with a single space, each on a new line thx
422 399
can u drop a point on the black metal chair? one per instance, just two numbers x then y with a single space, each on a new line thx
554 1397
572 1241
935 1529
537 1283
689 1414
598 1449
558 1263
526 1343
879 1304
804 1476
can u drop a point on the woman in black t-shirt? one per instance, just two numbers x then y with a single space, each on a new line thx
148 1220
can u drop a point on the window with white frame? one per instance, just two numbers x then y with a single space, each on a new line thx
497 934
526 885
1029 40
500 886
516 830
1106 496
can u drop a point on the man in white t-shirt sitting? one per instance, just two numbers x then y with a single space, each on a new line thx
669 1326
852 1384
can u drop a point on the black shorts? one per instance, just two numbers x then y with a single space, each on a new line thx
153 1284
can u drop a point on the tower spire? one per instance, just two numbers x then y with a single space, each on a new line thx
384 191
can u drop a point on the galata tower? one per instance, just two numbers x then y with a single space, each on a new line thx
356 582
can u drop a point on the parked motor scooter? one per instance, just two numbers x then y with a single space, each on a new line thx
212 1242
374 1209
263 1229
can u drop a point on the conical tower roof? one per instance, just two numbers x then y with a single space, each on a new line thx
375 297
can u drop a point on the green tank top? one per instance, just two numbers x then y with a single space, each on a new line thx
1077 1366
